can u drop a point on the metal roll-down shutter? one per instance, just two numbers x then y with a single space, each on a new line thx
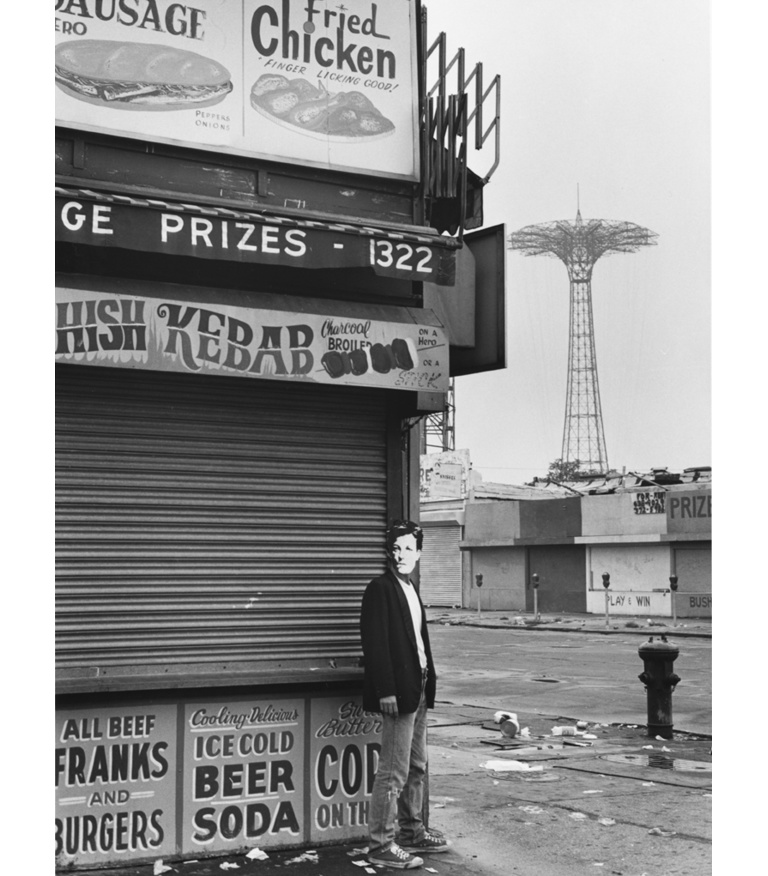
213 522
440 564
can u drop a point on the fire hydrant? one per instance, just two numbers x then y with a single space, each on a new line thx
660 681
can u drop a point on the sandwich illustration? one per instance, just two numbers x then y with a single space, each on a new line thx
383 358
336 364
139 76
296 103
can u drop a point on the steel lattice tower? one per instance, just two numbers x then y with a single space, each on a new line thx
438 432
579 245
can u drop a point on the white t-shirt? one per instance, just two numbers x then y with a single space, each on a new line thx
415 607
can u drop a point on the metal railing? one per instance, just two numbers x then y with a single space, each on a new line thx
452 111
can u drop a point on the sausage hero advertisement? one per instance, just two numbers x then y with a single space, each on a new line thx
314 82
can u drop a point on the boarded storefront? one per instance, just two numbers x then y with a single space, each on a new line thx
441 563
242 349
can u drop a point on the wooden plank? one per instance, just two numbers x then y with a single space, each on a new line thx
121 163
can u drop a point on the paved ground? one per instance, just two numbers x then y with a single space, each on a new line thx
600 808
576 673
620 803
574 623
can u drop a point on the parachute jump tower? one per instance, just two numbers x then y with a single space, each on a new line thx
579 245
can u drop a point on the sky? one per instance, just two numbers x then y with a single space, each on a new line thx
610 98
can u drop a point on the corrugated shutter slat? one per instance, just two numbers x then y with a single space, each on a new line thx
207 520
441 565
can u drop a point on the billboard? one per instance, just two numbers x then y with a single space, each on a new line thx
137 782
689 512
115 783
243 774
222 234
444 475
131 331
312 83
344 748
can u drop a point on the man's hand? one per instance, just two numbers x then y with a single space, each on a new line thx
389 706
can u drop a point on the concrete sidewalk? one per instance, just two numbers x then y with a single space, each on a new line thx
622 804
574 623
617 801
318 861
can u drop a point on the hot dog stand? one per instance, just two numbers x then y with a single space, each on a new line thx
251 318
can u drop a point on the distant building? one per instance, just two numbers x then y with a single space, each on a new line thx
639 528
444 486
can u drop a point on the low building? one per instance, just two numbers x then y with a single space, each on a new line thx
643 531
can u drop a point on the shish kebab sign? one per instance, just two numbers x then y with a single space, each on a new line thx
315 82
131 331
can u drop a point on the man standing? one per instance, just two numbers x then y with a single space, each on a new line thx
400 683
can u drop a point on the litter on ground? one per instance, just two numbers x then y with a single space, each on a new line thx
257 855
499 716
310 856
506 766
510 726
160 867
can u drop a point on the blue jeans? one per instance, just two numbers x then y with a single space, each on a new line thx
399 785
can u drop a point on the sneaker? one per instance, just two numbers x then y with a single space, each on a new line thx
430 843
395 857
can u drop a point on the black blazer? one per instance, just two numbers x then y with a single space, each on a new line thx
389 648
